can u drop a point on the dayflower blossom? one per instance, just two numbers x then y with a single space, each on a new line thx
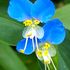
44 54
35 37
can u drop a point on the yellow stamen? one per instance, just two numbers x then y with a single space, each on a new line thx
45 53
39 53
27 22
29 34
47 61
47 45
21 51
36 22
45 57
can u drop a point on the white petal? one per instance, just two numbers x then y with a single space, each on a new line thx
39 32
52 51
24 32
28 30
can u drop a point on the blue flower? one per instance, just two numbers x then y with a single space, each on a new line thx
31 14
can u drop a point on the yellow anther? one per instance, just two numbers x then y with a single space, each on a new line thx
39 53
21 51
47 61
36 22
45 53
46 57
29 34
27 22
47 45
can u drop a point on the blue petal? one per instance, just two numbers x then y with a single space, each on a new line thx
54 32
20 9
29 47
43 10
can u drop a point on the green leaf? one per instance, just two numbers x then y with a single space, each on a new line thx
41 65
3 8
8 58
62 64
64 15
64 53
10 31
30 61
66 1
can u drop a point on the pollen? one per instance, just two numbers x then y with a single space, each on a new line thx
29 34
39 53
47 45
21 51
36 22
46 57
27 22
47 61
45 53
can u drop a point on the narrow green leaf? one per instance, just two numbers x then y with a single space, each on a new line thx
62 64
67 1
30 61
10 31
64 53
41 65
3 8
64 15
8 58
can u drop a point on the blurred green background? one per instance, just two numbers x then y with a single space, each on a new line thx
10 34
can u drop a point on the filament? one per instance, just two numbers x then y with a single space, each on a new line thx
33 44
26 44
36 43
45 66
48 67
53 63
